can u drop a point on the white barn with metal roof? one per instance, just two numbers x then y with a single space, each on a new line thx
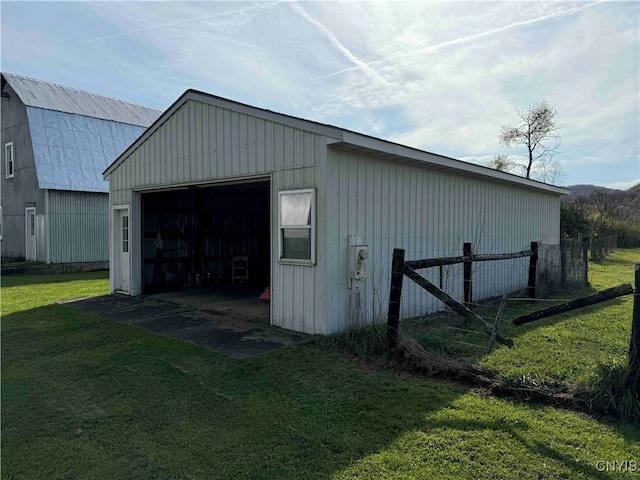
56 142
213 181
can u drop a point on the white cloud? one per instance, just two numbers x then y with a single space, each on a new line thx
623 185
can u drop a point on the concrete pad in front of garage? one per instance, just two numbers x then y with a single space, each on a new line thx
237 329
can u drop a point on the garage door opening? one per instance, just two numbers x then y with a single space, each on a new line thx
208 240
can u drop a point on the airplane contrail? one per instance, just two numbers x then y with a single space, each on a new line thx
362 65
239 11
470 38
467 39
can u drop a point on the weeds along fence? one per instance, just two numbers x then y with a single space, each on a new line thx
450 342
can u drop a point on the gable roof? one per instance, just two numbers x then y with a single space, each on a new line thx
345 139
76 134
51 96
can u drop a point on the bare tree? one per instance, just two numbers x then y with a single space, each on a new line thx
548 170
502 163
536 130
605 202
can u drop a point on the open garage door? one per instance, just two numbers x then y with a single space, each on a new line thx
208 235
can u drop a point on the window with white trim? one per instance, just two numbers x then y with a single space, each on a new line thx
9 165
297 212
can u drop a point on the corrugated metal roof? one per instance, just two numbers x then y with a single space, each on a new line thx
71 151
51 96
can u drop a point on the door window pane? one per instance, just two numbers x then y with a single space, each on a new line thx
125 233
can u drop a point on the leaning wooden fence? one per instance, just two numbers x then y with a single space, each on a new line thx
401 268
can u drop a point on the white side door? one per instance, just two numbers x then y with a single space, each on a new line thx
30 234
123 249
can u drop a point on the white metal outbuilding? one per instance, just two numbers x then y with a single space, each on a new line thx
317 190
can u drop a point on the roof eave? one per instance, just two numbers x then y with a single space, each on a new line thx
345 139
394 151
152 128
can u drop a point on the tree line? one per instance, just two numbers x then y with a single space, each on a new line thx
600 212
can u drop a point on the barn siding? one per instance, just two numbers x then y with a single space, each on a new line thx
429 213
22 190
78 227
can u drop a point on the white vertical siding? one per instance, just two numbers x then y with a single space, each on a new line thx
297 291
203 143
429 213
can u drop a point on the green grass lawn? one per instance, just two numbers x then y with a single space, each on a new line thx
575 346
87 398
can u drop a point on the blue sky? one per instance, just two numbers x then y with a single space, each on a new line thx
439 76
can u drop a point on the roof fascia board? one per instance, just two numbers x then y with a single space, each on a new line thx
282 118
404 153
147 133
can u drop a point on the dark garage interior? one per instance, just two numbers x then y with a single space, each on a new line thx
207 235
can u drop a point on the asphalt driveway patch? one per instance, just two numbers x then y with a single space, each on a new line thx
236 337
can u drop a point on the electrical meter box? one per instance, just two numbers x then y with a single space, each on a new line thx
358 260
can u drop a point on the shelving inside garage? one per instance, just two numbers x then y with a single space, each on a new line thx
201 230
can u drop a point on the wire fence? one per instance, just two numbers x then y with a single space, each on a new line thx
564 264
556 269
601 247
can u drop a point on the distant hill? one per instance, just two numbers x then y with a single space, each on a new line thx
631 202
618 203
585 190
602 211
635 190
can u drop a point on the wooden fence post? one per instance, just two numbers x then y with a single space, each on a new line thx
468 269
533 264
393 315
563 263
633 377
496 324
585 260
